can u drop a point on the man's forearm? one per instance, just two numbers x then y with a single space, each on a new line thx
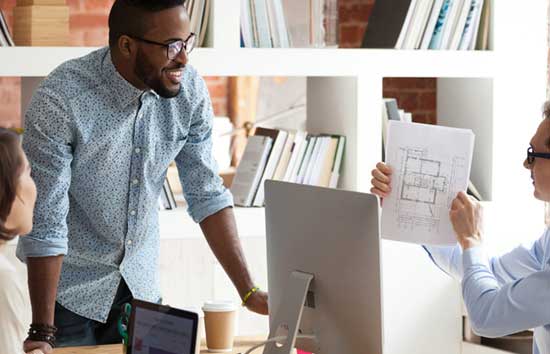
43 277
221 234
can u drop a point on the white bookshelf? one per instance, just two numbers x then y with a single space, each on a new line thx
496 93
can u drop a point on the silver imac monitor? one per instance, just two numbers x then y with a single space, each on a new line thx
323 254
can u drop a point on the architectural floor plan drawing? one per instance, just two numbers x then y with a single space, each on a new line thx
428 173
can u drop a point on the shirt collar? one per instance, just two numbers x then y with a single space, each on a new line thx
123 90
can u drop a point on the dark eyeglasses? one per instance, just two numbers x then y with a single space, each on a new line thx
173 49
531 155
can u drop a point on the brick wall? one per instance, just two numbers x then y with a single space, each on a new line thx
418 96
88 27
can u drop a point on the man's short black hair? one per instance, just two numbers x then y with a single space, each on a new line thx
130 17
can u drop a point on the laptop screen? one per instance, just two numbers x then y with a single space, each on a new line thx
157 329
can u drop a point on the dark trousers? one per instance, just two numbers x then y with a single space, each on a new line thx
75 330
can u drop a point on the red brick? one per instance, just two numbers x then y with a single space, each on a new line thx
96 6
87 21
427 101
351 36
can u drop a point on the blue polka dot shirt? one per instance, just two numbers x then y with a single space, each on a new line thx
100 149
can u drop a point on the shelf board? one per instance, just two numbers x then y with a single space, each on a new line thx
177 224
39 61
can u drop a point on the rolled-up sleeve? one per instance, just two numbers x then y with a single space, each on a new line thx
47 143
202 186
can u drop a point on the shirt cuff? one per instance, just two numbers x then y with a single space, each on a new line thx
33 247
202 210
474 256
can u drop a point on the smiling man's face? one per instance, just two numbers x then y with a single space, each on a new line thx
152 65
540 167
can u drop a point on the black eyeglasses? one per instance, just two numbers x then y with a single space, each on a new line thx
173 49
531 155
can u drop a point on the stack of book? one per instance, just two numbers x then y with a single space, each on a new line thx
289 23
199 14
41 23
263 24
296 157
429 24
5 36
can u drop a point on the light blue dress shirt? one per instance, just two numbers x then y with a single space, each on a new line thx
99 149
505 294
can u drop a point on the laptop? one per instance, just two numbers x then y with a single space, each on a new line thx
159 329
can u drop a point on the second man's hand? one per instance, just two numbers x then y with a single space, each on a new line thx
466 217
381 180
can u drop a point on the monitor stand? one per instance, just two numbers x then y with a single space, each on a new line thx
289 314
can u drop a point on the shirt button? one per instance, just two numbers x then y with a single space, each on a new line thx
137 150
133 212
135 181
129 242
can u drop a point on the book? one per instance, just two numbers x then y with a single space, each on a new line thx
338 161
205 22
327 162
279 139
450 23
167 189
418 24
250 170
482 39
5 36
437 36
314 160
247 31
406 25
461 25
298 153
432 22
385 23
302 171
476 21
472 24
282 166
262 23
278 26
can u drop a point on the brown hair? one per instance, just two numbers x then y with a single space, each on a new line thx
11 164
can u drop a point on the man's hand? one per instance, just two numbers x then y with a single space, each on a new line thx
381 180
466 217
257 302
32 347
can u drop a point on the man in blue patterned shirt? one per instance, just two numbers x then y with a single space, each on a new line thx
100 133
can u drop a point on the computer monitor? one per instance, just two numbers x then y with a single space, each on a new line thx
323 254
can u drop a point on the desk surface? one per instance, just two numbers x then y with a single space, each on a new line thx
241 345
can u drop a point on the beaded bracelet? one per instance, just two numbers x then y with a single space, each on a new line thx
42 333
249 294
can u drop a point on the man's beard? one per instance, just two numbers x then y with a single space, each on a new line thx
145 72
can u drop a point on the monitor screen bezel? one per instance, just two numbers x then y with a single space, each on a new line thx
165 310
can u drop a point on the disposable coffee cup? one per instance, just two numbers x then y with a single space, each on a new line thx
219 324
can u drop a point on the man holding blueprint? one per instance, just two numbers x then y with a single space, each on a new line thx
504 294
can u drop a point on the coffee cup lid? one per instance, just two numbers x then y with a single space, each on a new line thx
219 306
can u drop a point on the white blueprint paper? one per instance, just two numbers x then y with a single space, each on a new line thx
430 164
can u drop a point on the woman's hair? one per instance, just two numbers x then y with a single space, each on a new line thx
11 164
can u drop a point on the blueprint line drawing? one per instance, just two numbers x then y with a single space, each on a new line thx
428 173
